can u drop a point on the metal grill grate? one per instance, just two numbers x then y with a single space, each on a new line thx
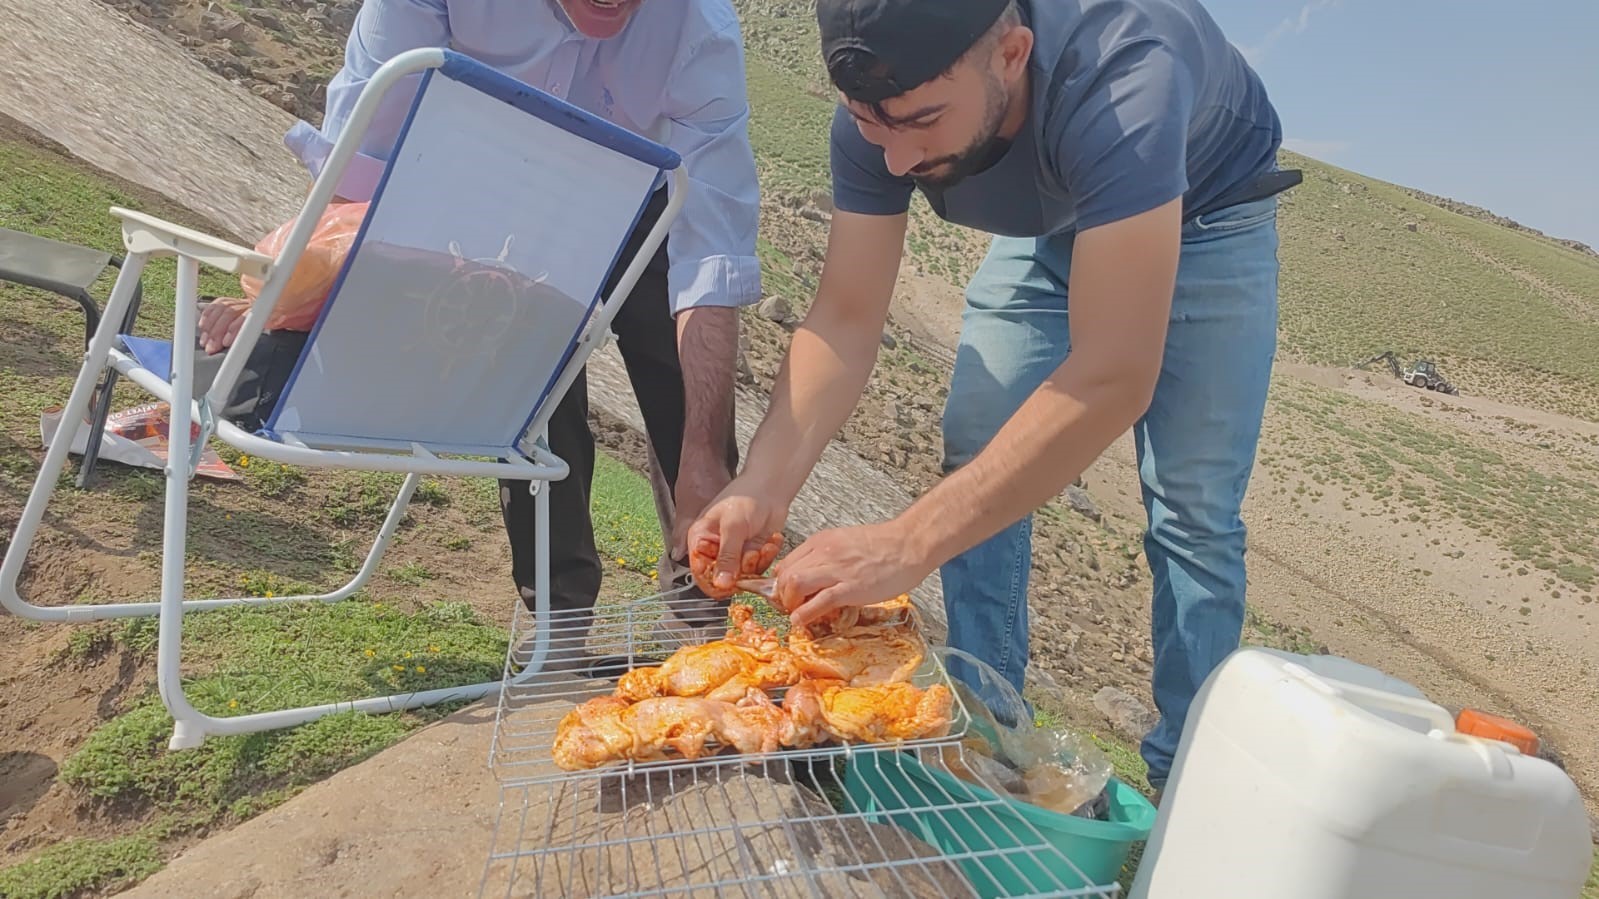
833 821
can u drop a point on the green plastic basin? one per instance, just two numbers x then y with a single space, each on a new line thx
1001 845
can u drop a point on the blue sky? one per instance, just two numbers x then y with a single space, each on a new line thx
1490 103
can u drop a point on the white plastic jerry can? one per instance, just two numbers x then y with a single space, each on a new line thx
1293 784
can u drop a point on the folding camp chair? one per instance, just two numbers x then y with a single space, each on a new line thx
466 307
69 270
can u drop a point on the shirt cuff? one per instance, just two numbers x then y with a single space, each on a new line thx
714 281
361 174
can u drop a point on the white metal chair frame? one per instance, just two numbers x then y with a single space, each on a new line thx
147 237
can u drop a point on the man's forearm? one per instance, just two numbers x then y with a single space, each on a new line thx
817 387
1121 281
707 343
1056 434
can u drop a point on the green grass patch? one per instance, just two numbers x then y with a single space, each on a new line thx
788 129
628 533
82 866
262 659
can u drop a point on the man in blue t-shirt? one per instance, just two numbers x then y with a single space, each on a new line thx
1123 153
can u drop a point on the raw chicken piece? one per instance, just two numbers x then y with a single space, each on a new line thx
862 657
751 656
608 728
895 614
719 670
819 709
702 561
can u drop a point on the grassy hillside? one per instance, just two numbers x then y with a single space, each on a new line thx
1367 268
1506 313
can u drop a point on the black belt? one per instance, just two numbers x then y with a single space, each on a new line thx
1259 188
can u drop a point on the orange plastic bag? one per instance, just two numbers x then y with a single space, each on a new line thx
308 287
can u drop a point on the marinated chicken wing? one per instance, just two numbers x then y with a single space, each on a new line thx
717 670
863 658
609 728
751 656
818 709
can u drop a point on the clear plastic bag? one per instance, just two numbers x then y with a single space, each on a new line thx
1053 768
307 289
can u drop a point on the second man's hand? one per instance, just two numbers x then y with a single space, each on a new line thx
853 566
738 521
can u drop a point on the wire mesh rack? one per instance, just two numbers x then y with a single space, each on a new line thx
834 820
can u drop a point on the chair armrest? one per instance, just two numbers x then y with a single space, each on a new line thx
143 233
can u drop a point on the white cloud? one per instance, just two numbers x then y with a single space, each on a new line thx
1317 149
1295 24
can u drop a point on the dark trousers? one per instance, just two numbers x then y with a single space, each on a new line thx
646 337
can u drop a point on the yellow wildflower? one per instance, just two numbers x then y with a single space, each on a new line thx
421 669
233 703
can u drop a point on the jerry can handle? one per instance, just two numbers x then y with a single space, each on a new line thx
1431 712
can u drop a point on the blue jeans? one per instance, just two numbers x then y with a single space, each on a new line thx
1195 445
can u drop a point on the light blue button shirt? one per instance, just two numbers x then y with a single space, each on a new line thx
675 75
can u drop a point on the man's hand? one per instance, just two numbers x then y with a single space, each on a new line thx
853 566
739 520
219 323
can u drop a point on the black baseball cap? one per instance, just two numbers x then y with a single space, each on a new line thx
877 49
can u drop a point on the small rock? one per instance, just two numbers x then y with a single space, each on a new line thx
1082 503
1118 657
888 341
1410 226
265 18
344 13
1125 712
811 213
223 23
775 308
1043 679
822 200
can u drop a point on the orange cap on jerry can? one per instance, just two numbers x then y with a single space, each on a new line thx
1493 727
